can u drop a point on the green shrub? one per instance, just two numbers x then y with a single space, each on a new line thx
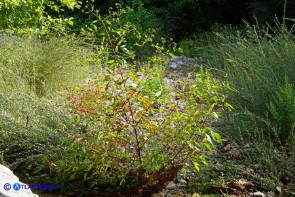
24 17
138 134
141 17
281 111
121 35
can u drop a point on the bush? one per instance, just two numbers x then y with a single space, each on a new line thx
120 34
140 130
36 17
281 111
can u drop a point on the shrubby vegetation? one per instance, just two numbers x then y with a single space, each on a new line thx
138 131
128 130
86 103
259 65
33 118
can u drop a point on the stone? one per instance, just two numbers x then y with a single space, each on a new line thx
196 195
247 146
279 189
8 180
176 61
258 194
171 185
161 194
173 65
182 182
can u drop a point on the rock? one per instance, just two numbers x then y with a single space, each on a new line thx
209 153
250 170
256 166
178 61
173 65
196 195
171 185
279 189
159 195
270 194
7 181
258 194
246 146
182 182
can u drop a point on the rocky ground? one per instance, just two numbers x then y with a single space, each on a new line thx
180 186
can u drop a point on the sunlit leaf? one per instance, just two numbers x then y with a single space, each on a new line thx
110 61
108 22
197 166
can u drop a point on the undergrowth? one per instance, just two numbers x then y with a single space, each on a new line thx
126 127
33 73
259 64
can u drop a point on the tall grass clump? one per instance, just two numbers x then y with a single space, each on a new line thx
256 62
46 66
259 64
33 117
29 125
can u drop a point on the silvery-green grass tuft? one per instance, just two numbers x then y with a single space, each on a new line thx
33 117
256 62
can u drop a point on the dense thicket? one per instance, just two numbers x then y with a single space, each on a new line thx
179 19
176 18
186 17
87 100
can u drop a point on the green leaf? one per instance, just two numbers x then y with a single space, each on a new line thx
111 62
85 176
203 159
72 119
217 137
171 54
73 176
229 106
211 107
71 23
197 166
108 22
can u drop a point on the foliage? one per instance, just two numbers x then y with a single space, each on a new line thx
256 63
33 117
31 17
141 17
282 111
272 11
29 125
45 66
176 19
138 135
262 165
122 39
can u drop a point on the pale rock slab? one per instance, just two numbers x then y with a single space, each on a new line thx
7 177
